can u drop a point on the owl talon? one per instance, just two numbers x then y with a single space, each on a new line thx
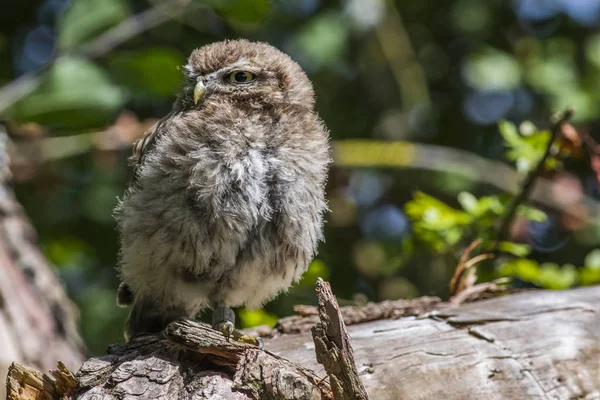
225 327
223 320
248 339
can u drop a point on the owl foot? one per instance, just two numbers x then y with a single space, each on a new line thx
223 319
225 327
248 339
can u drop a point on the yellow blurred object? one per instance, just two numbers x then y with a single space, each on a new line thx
250 318
397 288
370 153
369 258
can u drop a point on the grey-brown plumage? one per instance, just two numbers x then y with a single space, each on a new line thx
227 201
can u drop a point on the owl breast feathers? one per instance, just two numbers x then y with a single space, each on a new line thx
227 200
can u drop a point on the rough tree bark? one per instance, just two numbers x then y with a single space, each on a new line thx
38 324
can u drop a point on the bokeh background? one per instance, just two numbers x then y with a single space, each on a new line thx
81 79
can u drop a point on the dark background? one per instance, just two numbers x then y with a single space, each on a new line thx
96 73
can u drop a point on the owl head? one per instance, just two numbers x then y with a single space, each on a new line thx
243 71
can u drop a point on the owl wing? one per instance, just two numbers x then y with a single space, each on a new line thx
145 144
141 146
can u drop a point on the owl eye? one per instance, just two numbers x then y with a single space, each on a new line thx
241 77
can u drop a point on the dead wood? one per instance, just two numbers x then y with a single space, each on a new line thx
333 348
530 345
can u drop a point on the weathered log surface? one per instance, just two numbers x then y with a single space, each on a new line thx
532 345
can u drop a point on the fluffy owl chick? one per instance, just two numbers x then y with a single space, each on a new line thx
226 205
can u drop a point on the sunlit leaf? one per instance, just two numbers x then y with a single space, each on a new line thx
509 133
526 151
516 249
435 222
525 269
532 214
553 276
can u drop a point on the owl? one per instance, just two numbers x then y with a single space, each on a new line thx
227 200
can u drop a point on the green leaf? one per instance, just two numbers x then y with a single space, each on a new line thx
531 213
516 249
509 133
468 202
436 223
434 213
75 94
589 276
493 204
492 70
525 269
557 278
547 275
153 71
592 260
85 19
526 151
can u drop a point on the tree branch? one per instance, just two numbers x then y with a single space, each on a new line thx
527 187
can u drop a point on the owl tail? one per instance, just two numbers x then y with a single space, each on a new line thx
145 315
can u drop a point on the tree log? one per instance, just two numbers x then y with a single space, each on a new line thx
531 345
38 322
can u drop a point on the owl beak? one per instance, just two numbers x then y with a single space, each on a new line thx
199 91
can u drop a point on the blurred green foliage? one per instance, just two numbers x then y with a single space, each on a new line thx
443 227
436 73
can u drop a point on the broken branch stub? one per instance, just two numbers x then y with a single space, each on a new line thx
333 348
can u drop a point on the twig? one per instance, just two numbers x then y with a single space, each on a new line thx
527 187
333 349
